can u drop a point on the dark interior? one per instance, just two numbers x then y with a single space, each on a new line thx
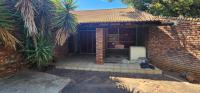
117 39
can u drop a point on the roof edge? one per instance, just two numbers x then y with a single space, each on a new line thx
102 9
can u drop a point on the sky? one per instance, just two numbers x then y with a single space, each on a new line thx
98 4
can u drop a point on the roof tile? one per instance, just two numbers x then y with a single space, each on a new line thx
113 15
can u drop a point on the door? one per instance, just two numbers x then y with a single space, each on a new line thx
87 41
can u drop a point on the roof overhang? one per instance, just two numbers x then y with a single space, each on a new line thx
126 24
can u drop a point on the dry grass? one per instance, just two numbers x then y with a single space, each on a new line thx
61 36
8 39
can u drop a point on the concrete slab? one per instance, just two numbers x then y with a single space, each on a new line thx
87 63
33 82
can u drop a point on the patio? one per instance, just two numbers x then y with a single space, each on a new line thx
87 63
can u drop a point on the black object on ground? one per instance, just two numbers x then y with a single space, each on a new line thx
146 65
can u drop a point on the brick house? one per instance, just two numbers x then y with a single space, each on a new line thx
170 43
110 31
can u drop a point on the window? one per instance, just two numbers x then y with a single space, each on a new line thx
126 37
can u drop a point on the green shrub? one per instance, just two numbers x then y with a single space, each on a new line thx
41 55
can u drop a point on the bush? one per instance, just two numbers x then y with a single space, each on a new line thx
41 55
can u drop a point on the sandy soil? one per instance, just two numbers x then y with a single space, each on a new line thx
105 82
155 86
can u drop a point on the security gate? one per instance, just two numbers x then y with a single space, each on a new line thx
87 41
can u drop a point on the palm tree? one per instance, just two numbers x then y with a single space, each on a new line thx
44 16
6 26
28 11
37 15
65 22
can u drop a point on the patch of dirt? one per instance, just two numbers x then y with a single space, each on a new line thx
105 82
155 86
98 82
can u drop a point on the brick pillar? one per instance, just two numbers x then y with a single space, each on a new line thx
100 45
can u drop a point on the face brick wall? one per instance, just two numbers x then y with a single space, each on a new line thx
100 45
61 51
176 48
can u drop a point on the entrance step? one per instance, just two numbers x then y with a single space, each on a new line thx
110 67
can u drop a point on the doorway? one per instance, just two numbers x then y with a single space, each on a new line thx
120 40
87 41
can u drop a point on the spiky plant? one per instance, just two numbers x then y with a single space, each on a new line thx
7 25
41 55
44 16
38 48
65 22
27 10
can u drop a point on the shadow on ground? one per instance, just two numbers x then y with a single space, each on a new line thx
98 82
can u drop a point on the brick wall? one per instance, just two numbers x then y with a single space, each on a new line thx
61 51
100 45
176 48
10 62
70 46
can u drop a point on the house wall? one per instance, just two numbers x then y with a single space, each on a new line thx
61 51
176 48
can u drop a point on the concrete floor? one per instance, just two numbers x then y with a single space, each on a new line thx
87 62
98 82
33 82
119 59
